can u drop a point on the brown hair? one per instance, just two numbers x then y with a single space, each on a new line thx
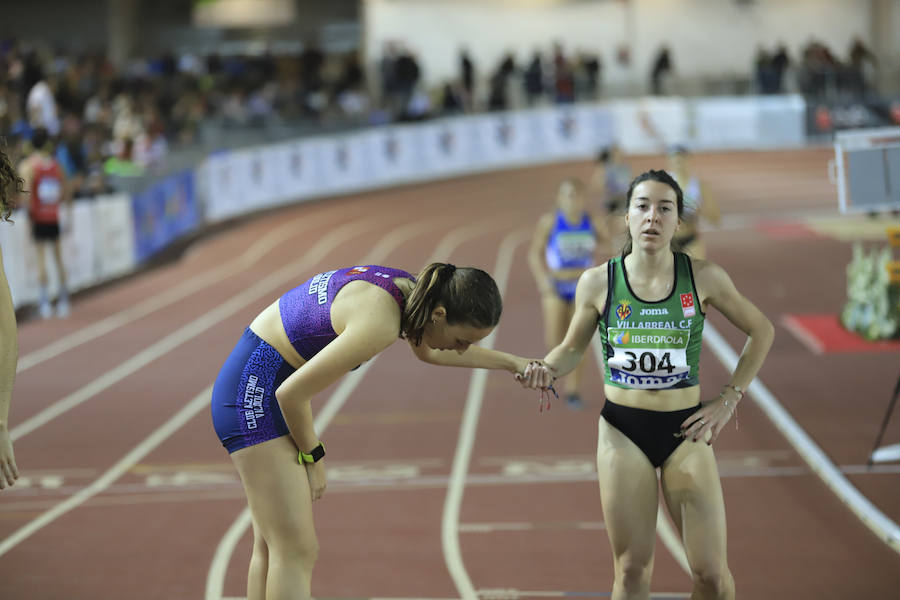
659 176
10 185
469 295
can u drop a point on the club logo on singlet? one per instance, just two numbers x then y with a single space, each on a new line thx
687 305
357 271
623 310
253 399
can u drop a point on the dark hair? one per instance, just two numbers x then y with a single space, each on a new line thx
10 185
661 177
469 295
40 138
604 155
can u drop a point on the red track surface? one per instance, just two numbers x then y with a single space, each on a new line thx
530 517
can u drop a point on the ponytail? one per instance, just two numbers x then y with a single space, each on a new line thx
469 296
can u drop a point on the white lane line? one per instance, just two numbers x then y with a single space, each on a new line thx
466 440
196 283
194 328
529 526
880 524
666 531
215 579
156 438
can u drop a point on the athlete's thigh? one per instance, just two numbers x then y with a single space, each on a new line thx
277 490
693 494
556 321
628 492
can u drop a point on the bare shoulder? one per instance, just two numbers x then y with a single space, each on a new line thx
711 279
594 281
363 305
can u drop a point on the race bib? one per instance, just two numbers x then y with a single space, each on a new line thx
49 191
648 359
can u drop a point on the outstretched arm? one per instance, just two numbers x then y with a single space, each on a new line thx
9 352
474 357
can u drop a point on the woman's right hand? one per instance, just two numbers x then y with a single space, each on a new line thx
536 375
317 480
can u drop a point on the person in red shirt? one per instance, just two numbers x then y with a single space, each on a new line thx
46 184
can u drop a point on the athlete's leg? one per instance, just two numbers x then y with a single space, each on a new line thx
573 381
62 299
60 266
43 278
629 494
43 288
259 566
278 494
557 314
693 494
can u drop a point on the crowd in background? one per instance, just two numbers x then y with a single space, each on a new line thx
112 122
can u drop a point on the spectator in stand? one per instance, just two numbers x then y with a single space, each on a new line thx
467 75
662 67
563 76
41 104
534 80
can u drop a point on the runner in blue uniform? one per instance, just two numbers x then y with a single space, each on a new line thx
564 244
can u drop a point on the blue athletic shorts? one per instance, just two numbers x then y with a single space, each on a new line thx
566 289
244 409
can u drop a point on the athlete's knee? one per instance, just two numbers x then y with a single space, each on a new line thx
633 573
260 547
714 578
295 548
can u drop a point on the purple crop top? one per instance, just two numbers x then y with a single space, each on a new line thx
306 309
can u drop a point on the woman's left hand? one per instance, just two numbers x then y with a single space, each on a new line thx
706 423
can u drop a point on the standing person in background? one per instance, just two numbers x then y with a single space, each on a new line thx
662 67
650 305
467 77
609 182
10 185
697 204
299 345
46 183
564 244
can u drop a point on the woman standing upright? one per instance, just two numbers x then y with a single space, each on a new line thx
564 244
649 306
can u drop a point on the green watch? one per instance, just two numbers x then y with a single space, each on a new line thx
315 455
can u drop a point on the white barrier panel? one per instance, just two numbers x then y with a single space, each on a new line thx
12 238
748 122
113 236
650 125
236 183
343 163
447 146
395 153
503 139
77 241
224 195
